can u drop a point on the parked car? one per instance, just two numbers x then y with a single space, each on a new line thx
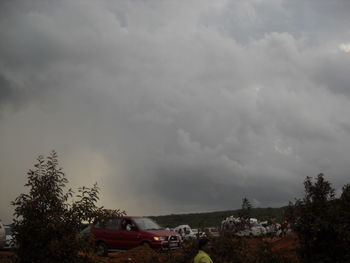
257 230
252 228
86 232
198 233
2 235
128 232
212 231
244 233
9 242
185 232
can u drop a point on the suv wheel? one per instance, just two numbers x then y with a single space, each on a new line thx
101 249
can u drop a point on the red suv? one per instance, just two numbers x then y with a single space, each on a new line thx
129 232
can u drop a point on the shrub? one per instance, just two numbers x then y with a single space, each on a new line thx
227 248
47 222
321 222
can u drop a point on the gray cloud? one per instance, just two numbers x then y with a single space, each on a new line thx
7 92
176 106
313 21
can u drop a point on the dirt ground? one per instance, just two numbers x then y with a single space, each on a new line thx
286 246
6 257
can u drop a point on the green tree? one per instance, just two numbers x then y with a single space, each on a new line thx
48 220
244 214
316 222
344 225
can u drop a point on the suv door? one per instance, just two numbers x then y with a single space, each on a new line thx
130 234
108 232
112 233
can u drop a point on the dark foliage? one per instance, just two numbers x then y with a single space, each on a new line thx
343 226
227 248
47 221
322 222
244 215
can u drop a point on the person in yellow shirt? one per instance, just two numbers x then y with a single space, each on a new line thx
204 247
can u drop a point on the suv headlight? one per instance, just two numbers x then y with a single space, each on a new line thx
159 238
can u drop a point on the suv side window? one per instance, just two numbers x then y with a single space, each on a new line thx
98 225
128 225
111 224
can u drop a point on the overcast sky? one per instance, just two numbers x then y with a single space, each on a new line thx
176 106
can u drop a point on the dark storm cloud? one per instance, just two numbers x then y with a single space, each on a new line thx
202 187
176 106
7 92
332 72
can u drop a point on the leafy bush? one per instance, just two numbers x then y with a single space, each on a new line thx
228 248
47 222
322 222
344 222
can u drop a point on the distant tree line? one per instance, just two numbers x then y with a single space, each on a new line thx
215 218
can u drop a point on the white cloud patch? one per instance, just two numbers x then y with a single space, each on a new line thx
345 47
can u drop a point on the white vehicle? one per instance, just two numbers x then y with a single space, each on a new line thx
212 231
253 221
185 232
9 238
270 230
2 235
253 228
197 233
254 231
244 233
230 223
257 231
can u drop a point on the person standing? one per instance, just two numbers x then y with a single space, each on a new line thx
204 248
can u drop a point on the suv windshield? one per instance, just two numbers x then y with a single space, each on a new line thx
147 224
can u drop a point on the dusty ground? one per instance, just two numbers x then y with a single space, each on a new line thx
6 257
286 246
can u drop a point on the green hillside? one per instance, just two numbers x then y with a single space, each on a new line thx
200 220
